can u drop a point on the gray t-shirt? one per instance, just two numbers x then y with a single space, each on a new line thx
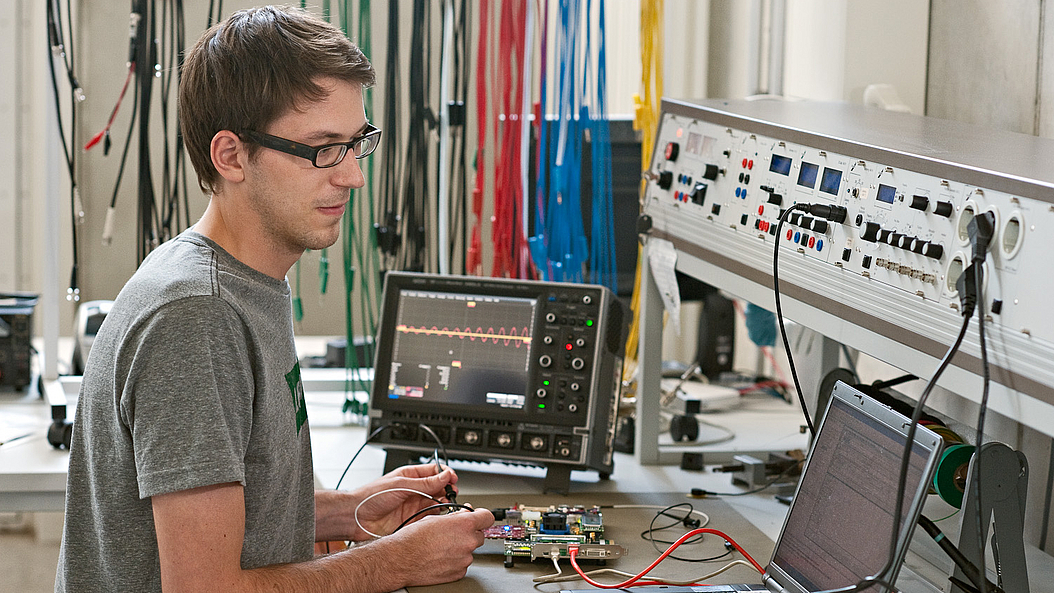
192 380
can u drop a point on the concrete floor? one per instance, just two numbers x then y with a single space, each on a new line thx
29 552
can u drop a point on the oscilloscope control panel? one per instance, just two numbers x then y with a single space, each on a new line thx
496 369
902 190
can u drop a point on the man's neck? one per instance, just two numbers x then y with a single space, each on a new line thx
228 232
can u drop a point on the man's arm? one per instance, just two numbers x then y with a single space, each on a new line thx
200 533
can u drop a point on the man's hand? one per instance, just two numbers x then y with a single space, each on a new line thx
335 510
440 547
383 513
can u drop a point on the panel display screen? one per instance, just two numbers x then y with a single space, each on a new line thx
695 143
465 349
780 164
886 193
831 181
807 175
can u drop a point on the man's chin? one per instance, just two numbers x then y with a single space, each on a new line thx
322 240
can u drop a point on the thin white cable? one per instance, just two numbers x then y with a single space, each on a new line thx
525 117
363 501
559 578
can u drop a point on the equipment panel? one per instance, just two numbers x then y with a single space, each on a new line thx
724 172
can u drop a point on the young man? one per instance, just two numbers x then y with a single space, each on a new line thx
190 468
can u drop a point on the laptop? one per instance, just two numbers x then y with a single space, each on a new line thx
840 523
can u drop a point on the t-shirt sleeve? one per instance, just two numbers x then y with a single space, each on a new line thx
188 399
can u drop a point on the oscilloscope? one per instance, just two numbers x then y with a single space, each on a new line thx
499 370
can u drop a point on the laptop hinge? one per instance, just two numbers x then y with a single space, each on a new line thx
771 584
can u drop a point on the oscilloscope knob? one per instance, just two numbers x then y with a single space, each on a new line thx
550 317
870 232
575 386
934 250
547 340
541 393
577 364
545 361
586 299
580 342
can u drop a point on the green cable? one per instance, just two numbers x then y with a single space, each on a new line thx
323 269
353 251
298 303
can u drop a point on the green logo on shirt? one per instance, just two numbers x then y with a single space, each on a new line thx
296 389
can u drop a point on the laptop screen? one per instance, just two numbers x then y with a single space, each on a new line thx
839 527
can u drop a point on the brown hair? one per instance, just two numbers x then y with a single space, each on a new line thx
252 68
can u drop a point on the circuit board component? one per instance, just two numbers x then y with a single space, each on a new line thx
547 532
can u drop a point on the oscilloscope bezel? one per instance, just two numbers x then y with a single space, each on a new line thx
397 282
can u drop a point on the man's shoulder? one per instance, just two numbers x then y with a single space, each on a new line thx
178 268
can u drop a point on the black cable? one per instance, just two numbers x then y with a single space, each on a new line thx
369 438
981 229
59 45
449 491
686 521
427 509
386 227
976 474
435 437
969 569
779 312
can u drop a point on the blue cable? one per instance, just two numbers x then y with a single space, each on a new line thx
602 260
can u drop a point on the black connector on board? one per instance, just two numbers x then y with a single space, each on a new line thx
835 214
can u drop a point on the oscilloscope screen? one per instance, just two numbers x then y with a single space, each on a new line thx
464 349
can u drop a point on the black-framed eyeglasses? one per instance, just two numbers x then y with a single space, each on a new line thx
327 155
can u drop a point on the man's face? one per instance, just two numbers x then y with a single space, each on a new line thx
300 206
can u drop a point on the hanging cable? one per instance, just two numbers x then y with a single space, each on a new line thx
602 224
646 121
474 259
560 249
508 233
361 258
417 173
62 49
459 119
387 227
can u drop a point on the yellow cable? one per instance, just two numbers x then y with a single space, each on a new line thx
646 120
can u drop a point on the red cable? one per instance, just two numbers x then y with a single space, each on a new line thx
113 114
505 163
636 580
474 261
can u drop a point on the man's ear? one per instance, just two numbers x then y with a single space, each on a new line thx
229 155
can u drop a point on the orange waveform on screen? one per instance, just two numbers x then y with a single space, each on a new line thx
502 335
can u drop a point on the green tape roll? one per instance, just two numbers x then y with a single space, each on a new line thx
952 459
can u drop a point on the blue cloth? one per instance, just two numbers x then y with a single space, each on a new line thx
761 325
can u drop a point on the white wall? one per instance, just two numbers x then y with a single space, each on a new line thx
10 229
